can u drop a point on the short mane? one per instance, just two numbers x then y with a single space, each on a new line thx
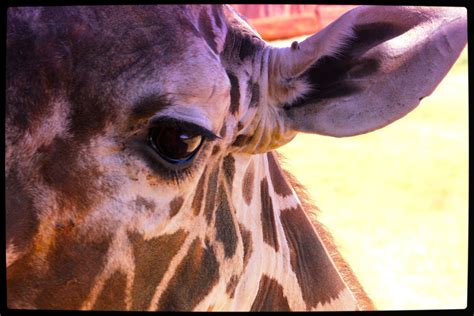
309 207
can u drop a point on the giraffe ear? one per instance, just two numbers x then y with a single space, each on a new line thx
367 69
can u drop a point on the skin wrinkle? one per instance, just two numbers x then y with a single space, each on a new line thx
216 12
253 89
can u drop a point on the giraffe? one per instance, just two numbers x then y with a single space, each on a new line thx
140 165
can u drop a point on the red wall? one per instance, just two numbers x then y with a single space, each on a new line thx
277 21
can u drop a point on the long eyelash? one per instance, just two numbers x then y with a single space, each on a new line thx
175 176
178 175
172 122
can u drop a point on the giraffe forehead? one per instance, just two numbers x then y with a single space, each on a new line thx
189 73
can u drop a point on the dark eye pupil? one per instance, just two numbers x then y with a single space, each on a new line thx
175 144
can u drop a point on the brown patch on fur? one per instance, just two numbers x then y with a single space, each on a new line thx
225 226
363 300
223 130
215 150
247 243
175 205
73 175
267 216
253 89
316 276
142 204
112 297
152 179
248 183
152 259
195 276
232 285
242 140
91 110
74 263
280 184
22 277
270 296
197 200
211 194
234 93
229 169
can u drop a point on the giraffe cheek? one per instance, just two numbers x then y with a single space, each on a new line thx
73 266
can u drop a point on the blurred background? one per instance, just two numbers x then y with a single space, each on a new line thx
395 200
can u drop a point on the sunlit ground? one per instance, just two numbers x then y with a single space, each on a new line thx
396 200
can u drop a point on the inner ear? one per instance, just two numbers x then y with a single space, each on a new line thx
386 60
339 74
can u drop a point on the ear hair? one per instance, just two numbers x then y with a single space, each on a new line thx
369 68
331 75
342 43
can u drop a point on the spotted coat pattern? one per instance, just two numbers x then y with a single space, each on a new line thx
96 218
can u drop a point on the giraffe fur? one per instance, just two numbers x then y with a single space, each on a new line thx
140 165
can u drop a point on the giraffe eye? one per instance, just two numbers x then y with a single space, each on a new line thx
176 145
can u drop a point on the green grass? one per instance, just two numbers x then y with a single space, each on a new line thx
396 200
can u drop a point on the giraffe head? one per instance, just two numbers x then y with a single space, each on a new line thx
139 172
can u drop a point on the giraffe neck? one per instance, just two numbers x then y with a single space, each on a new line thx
302 275
242 244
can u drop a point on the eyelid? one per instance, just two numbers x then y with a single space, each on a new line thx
170 121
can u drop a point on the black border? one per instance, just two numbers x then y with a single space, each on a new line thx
469 310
